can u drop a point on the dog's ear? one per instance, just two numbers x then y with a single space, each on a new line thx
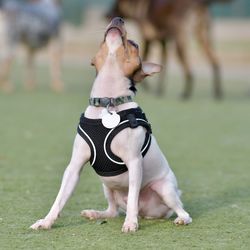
147 69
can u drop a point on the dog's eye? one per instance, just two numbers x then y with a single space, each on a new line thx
134 44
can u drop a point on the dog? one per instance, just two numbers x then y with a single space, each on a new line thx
36 24
163 21
115 136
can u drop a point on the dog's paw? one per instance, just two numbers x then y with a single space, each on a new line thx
130 227
90 214
183 221
41 224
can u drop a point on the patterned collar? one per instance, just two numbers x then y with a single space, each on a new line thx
109 102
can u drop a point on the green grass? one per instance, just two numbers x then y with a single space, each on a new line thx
207 143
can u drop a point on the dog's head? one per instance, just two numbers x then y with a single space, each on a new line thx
125 52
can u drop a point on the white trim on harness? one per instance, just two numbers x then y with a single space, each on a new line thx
106 138
92 143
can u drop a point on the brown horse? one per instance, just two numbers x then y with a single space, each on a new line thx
166 20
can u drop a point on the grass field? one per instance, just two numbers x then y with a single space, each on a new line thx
206 142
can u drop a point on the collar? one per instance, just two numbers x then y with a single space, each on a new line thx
107 101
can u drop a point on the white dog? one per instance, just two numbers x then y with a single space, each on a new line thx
115 136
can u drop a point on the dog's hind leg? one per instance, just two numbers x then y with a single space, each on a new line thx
56 65
161 89
168 191
5 68
110 212
146 48
203 33
30 70
183 58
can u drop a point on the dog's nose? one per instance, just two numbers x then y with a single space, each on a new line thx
118 21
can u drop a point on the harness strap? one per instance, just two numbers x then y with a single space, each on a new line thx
134 124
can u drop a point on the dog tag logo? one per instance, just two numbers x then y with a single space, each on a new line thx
110 119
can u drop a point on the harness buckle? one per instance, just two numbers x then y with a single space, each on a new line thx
132 121
104 102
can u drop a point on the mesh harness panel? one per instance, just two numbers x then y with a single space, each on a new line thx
99 139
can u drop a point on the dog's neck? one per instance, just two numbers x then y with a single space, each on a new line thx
110 82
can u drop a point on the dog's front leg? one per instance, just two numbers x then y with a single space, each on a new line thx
127 145
80 156
135 179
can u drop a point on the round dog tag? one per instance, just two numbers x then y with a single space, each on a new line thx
110 119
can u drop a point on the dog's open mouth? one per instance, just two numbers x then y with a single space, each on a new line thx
115 29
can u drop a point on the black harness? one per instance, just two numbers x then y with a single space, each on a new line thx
99 139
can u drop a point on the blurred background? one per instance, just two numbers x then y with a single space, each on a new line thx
230 34
84 23
206 141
